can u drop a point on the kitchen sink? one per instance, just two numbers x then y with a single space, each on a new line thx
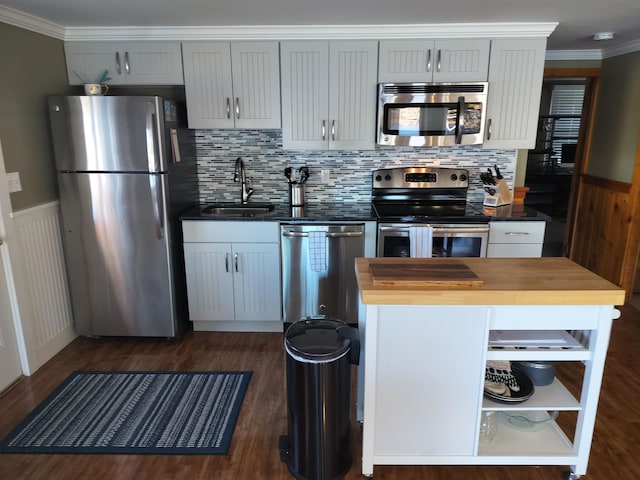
237 209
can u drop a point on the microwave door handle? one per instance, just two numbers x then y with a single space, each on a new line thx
460 121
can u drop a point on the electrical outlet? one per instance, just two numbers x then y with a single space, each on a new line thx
324 176
13 182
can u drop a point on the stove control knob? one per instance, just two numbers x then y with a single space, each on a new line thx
454 177
378 178
387 177
463 177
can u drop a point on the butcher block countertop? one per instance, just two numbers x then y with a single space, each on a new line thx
482 281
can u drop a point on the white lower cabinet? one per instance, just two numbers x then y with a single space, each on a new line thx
424 371
512 239
233 275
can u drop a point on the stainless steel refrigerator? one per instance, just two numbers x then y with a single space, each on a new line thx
125 169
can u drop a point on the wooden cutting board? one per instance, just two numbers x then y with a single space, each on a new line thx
420 274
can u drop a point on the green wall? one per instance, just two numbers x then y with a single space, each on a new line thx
617 119
32 67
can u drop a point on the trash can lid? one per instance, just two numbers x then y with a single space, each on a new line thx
316 339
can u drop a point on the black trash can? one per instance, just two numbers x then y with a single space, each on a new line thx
319 354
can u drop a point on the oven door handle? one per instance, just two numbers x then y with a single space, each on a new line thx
454 230
449 230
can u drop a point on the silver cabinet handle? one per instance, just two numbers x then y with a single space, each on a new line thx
333 129
516 234
439 63
228 107
324 130
237 107
118 66
429 60
126 63
226 262
235 259
328 234
489 130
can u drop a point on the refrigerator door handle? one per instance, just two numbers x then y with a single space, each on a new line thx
153 160
156 201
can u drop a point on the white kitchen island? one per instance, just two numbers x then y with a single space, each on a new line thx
426 341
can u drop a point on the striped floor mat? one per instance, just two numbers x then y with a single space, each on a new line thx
135 413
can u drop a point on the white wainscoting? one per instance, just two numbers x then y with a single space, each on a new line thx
48 313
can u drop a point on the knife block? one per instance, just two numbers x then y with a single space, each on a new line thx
501 197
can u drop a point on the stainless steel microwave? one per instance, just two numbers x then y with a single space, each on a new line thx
431 114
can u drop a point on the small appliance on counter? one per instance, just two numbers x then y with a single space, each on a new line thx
497 192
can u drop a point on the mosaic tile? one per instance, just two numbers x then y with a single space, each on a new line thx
349 171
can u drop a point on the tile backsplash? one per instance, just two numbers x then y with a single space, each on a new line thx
349 171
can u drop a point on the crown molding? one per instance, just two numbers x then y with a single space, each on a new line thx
315 32
628 47
20 19
573 55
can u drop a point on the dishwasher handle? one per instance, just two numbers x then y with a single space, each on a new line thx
289 233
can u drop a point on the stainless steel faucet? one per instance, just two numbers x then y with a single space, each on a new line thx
240 175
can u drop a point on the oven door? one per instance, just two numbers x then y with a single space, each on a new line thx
450 240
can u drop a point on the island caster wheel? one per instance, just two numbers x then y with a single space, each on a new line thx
570 476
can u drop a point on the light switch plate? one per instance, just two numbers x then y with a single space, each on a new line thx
13 182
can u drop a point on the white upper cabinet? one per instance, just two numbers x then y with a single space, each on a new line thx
128 63
515 84
329 94
232 85
463 60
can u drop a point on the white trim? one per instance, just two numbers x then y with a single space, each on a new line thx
30 22
38 211
573 55
303 32
629 47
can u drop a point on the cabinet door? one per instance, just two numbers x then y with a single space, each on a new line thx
352 95
429 379
463 60
406 61
207 84
152 63
87 60
256 281
256 84
515 84
305 95
209 273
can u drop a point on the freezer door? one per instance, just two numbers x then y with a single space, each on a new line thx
108 134
117 253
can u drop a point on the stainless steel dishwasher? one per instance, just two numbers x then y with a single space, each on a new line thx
311 286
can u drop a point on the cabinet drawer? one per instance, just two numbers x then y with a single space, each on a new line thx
514 250
236 232
516 232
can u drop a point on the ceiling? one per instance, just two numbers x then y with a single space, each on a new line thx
578 20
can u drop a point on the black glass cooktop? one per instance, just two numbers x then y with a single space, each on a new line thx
409 212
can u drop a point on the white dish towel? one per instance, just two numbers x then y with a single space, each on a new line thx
318 251
420 241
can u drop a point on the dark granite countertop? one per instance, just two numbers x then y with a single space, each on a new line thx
316 212
353 212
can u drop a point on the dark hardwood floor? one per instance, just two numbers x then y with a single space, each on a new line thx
254 453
